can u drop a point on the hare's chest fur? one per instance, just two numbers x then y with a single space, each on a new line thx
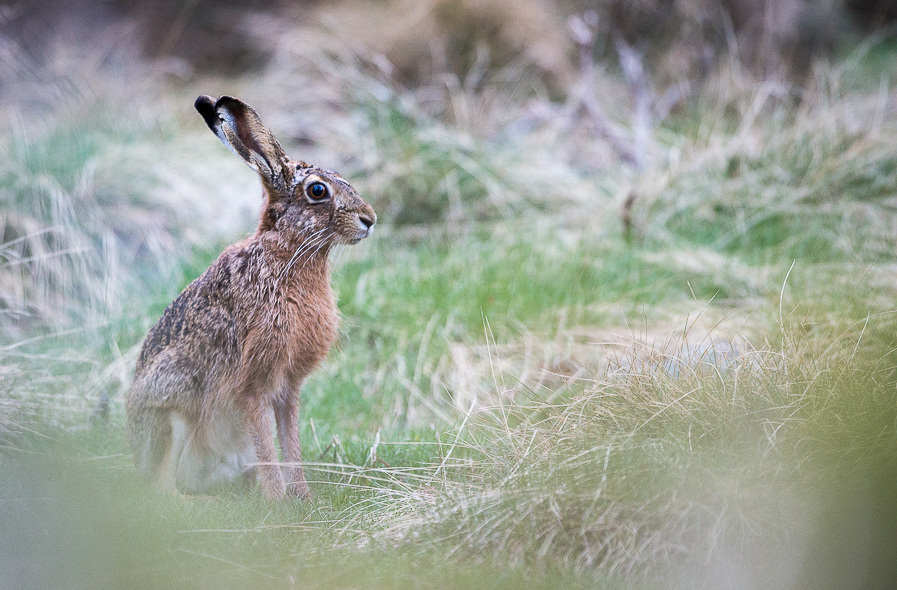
290 318
309 325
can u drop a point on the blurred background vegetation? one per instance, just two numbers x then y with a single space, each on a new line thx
627 319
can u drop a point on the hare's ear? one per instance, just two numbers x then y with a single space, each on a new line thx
241 129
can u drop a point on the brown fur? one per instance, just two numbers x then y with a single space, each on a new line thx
233 349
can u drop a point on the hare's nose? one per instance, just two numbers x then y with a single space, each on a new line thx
368 220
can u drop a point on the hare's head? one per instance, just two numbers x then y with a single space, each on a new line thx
303 201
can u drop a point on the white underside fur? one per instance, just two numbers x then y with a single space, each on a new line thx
216 454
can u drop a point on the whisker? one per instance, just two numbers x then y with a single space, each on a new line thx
303 247
310 256
317 244
322 243
340 249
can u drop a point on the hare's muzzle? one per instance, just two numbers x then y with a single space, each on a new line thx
364 221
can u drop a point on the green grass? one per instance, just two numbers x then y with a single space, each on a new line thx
523 395
405 304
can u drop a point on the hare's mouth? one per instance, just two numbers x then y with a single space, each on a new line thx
364 226
359 236
352 240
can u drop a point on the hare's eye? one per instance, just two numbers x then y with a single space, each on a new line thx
317 191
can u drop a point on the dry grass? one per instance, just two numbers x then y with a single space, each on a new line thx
701 456
101 188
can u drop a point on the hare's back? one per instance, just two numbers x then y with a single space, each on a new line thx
201 328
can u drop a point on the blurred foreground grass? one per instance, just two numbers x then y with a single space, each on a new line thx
550 374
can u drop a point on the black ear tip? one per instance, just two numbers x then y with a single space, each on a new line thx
205 105
231 104
203 102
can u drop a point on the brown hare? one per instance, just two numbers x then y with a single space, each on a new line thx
233 348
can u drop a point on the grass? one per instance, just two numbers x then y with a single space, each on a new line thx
609 476
524 393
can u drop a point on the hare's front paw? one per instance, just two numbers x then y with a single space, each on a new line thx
300 490
272 482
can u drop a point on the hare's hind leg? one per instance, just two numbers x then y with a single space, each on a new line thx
151 435
158 440
166 475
